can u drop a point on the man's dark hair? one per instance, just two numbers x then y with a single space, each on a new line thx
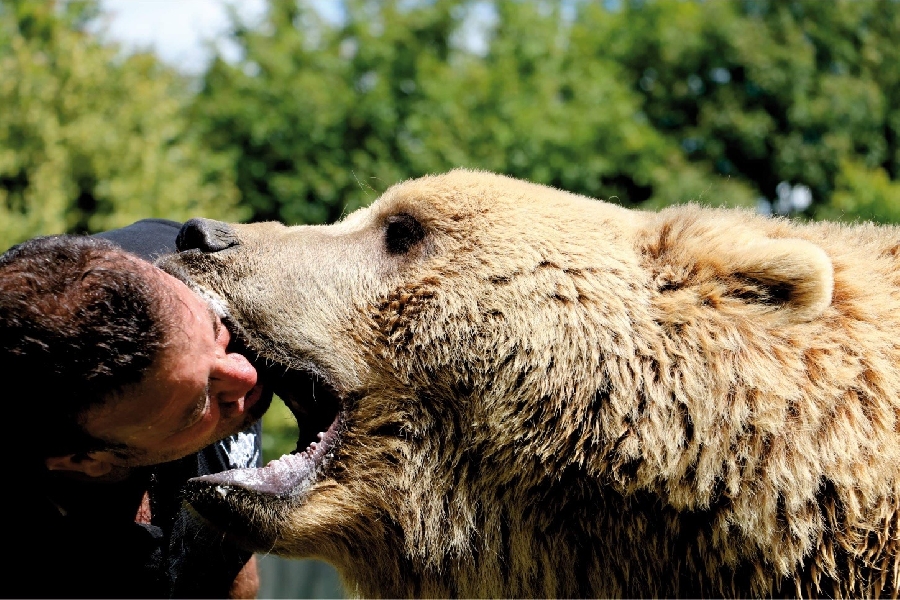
80 319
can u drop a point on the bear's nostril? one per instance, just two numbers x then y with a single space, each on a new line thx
205 235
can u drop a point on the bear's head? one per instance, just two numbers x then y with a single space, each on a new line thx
503 389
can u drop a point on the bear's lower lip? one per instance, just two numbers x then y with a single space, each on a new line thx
288 476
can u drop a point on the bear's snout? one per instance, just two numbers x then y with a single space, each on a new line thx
205 235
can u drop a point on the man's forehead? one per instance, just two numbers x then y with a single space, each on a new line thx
198 305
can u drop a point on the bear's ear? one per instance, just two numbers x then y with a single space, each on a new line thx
793 274
727 264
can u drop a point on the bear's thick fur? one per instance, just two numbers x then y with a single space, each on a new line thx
542 395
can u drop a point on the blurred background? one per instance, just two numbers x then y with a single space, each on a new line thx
301 111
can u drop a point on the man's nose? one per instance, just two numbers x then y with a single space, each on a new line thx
234 378
205 235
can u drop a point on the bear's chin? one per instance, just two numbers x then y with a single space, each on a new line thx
247 517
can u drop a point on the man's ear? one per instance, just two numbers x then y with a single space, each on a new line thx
92 464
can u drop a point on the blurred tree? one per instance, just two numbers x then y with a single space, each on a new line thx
89 139
804 92
641 102
865 193
321 116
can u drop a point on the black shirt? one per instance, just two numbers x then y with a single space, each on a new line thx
78 539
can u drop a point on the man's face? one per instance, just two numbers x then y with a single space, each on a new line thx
195 393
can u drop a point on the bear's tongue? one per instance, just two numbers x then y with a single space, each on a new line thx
289 475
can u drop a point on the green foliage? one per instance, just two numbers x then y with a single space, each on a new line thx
90 140
863 193
321 117
770 91
280 429
641 102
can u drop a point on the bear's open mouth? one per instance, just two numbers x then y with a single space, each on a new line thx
316 406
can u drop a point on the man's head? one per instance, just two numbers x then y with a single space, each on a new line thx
112 362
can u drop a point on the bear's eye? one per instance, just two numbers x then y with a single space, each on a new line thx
402 232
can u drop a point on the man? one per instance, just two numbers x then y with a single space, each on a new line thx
122 384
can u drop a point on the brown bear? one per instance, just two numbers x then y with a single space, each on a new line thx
506 390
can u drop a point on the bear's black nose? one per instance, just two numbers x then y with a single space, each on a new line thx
206 235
